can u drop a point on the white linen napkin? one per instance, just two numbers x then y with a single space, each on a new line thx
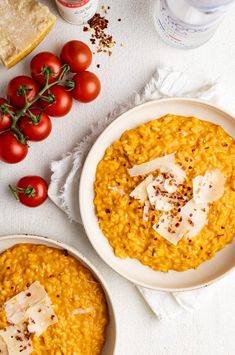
63 189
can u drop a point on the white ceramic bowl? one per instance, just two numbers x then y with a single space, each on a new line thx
10 240
131 269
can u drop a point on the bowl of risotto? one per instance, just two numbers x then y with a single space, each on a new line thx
157 194
53 300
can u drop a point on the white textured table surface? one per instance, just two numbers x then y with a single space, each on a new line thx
210 331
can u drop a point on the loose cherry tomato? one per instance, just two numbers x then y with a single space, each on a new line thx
87 86
17 86
5 118
77 54
36 126
62 101
11 150
45 62
31 191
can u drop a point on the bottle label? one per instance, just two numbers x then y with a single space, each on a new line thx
79 12
178 33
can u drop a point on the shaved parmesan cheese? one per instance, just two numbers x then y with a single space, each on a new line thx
152 165
81 311
16 307
194 217
162 203
117 189
176 177
208 188
3 347
170 227
40 316
32 305
146 211
140 192
16 342
155 188
188 223
158 196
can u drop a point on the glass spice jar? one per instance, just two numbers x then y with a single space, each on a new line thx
77 12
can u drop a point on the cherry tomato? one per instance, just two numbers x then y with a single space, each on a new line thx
77 54
62 104
18 84
11 150
87 86
35 128
5 119
31 191
45 62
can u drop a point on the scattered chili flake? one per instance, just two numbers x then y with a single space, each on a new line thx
65 252
222 227
119 19
190 167
52 317
28 294
107 210
98 65
28 284
8 267
153 252
103 41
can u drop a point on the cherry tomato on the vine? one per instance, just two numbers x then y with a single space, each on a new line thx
77 54
11 150
5 119
62 101
31 190
87 86
45 62
17 87
36 126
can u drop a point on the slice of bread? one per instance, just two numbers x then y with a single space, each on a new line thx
23 25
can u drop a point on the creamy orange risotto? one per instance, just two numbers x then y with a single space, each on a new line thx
77 299
200 148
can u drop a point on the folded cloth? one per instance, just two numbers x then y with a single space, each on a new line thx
63 189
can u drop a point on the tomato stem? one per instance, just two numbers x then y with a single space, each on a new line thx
28 104
29 191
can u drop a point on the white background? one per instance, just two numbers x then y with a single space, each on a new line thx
209 331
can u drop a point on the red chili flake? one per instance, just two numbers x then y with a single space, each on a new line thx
98 65
190 215
119 19
153 218
206 147
222 227
28 294
65 252
52 317
107 210
224 144
177 224
8 267
39 311
28 284
18 338
153 252
190 167
98 24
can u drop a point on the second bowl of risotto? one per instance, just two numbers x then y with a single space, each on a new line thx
52 300
157 194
